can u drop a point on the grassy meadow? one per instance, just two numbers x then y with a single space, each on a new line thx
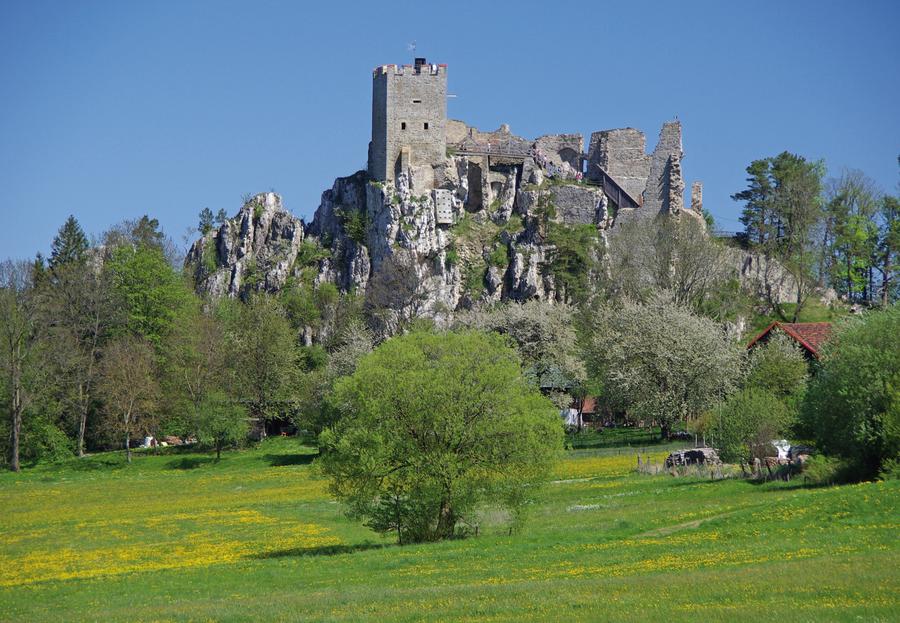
179 537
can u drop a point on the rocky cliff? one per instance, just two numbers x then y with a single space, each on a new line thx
474 229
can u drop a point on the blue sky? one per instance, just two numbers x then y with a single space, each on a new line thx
110 110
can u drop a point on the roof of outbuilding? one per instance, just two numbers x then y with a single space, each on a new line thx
810 335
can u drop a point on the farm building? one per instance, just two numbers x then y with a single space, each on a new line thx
808 335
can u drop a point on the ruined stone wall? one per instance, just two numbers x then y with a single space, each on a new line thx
666 155
409 116
622 154
562 148
459 132
697 197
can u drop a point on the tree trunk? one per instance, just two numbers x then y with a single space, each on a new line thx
128 446
218 450
849 280
799 304
16 428
870 294
446 521
665 430
82 419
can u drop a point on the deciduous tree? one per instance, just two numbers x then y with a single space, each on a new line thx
262 355
129 387
80 311
782 213
779 368
150 291
433 425
18 336
543 333
672 254
852 406
851 235
221 421
660 362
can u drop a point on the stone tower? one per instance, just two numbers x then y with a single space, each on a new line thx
409 118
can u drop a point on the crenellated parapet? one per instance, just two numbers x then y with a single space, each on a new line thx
409 118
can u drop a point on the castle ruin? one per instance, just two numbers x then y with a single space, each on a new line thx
425 175
409 118
411 134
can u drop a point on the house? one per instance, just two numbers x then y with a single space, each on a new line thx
808 335
583 412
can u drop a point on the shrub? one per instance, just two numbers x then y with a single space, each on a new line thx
779 367
356 224
432 425
824 470
451 257
309 253
572 257
744 425
210 255
42 441
499 257
473 280
852 406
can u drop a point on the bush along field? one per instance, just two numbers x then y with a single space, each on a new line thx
255 536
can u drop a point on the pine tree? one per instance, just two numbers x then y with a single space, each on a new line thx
69 245
146 233
206 221
39 270
221 217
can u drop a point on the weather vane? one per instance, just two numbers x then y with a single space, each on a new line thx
411 46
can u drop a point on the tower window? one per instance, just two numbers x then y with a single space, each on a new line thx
417 101
402 125
426 125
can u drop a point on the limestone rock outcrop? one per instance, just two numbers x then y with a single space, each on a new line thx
254 250
471 230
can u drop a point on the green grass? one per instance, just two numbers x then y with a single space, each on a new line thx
624 437
813 311
255 537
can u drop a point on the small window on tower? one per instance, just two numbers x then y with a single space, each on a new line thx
417 101
402 125
426 125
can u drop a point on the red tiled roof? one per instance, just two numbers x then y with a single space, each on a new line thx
588 404
810 335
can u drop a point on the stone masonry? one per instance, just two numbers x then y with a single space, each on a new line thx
409 117
667 154
697 197
501 188
622 154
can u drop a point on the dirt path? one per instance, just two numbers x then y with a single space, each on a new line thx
688 525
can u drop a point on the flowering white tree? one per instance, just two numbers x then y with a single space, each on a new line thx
660 362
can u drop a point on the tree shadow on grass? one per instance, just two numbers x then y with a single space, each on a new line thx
190 462
282 460
97 463
793 484
321 550
688 481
